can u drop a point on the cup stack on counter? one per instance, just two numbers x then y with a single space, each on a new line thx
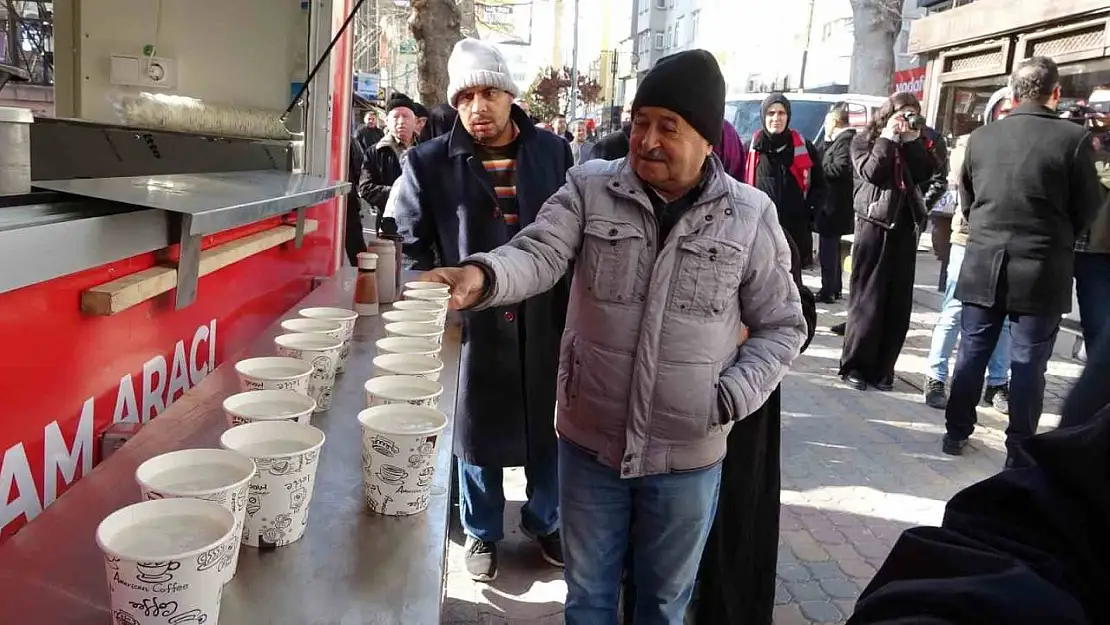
181 543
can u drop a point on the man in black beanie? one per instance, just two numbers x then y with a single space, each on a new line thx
672 259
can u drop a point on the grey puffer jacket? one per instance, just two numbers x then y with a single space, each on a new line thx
649 358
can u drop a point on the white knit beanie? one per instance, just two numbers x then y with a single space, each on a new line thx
475 63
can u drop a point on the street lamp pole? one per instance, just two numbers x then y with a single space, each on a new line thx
572 104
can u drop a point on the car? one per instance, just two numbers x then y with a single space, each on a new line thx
808 112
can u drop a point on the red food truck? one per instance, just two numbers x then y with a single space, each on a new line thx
164 217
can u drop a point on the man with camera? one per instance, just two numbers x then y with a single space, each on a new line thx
1028 188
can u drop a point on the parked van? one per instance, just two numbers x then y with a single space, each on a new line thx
807 112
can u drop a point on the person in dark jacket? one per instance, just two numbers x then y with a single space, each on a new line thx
933 189
614 145
466 192
354 241
369 134
1028 188
1026 547
890 163
785 165
731 151
381 166
422 114
835 218
441 121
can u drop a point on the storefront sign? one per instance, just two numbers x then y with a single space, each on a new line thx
139 397
911 80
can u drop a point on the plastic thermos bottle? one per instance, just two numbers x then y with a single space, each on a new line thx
387 270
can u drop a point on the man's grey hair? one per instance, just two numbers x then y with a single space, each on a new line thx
1034 79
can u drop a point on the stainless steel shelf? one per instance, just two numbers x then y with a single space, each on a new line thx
207 203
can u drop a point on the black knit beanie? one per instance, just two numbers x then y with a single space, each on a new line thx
777 98
398 100
419 110
690 84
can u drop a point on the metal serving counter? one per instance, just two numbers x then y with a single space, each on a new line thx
351 567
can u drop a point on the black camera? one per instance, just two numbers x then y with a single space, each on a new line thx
915 121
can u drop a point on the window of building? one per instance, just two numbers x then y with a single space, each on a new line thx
695 19
661 4
671 4
670 41
644 6
678 32
659 41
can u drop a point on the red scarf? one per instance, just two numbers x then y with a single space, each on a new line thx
799 168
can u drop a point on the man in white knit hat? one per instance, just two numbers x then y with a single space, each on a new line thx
465 192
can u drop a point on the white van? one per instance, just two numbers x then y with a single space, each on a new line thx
807 112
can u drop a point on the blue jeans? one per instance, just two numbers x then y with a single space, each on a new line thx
482 500
947 331
673 515
1033 340
1092 289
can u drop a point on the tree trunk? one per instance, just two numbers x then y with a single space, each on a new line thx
468 20
876 24
435 27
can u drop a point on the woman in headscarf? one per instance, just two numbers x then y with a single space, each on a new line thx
891 162
785 165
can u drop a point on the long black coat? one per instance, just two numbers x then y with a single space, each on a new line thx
1026 547
1028 188
835 217
613 146
445 206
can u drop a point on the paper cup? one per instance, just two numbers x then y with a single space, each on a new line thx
273 373
268 406
440 308
406 345
345 318
330 329
408 364
412 329
427 295
427 286
322 353
402 389
215 475
399 456
402 316
287 455
418 305
166 560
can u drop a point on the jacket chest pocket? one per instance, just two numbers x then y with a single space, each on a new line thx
612 252
706 277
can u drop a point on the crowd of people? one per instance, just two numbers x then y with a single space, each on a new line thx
645 288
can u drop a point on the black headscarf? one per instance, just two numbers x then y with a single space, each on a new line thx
769 143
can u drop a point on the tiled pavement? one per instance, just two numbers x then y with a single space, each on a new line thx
857 469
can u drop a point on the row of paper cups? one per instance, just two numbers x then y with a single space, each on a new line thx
168 556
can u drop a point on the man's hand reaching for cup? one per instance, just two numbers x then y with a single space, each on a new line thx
467 284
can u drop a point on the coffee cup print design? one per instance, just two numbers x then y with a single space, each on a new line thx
166 560
399 446
215 475
346 320
319 351
277 503
273 373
